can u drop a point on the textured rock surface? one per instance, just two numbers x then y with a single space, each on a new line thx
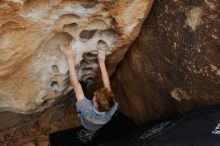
174 64
33 70
19 129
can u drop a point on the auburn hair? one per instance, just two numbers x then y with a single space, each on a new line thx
105 99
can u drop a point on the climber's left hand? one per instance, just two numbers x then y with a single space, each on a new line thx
69 52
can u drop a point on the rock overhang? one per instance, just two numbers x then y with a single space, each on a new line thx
34 70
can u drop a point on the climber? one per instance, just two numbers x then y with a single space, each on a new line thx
98 111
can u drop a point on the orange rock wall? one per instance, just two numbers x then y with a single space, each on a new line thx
33 69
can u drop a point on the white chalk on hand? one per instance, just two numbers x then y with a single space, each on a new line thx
72 43
61 47
102 45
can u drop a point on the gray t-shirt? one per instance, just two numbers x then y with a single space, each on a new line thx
90 118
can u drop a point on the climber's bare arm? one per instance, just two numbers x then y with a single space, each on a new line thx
70 55
105 77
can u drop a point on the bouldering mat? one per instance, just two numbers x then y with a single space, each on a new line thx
200 127
115 129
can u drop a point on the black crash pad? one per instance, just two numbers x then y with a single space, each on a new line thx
200 127
119 126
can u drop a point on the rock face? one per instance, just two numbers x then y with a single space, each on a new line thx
174 64
20 129
33 69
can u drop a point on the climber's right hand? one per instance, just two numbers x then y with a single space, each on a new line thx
101 56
